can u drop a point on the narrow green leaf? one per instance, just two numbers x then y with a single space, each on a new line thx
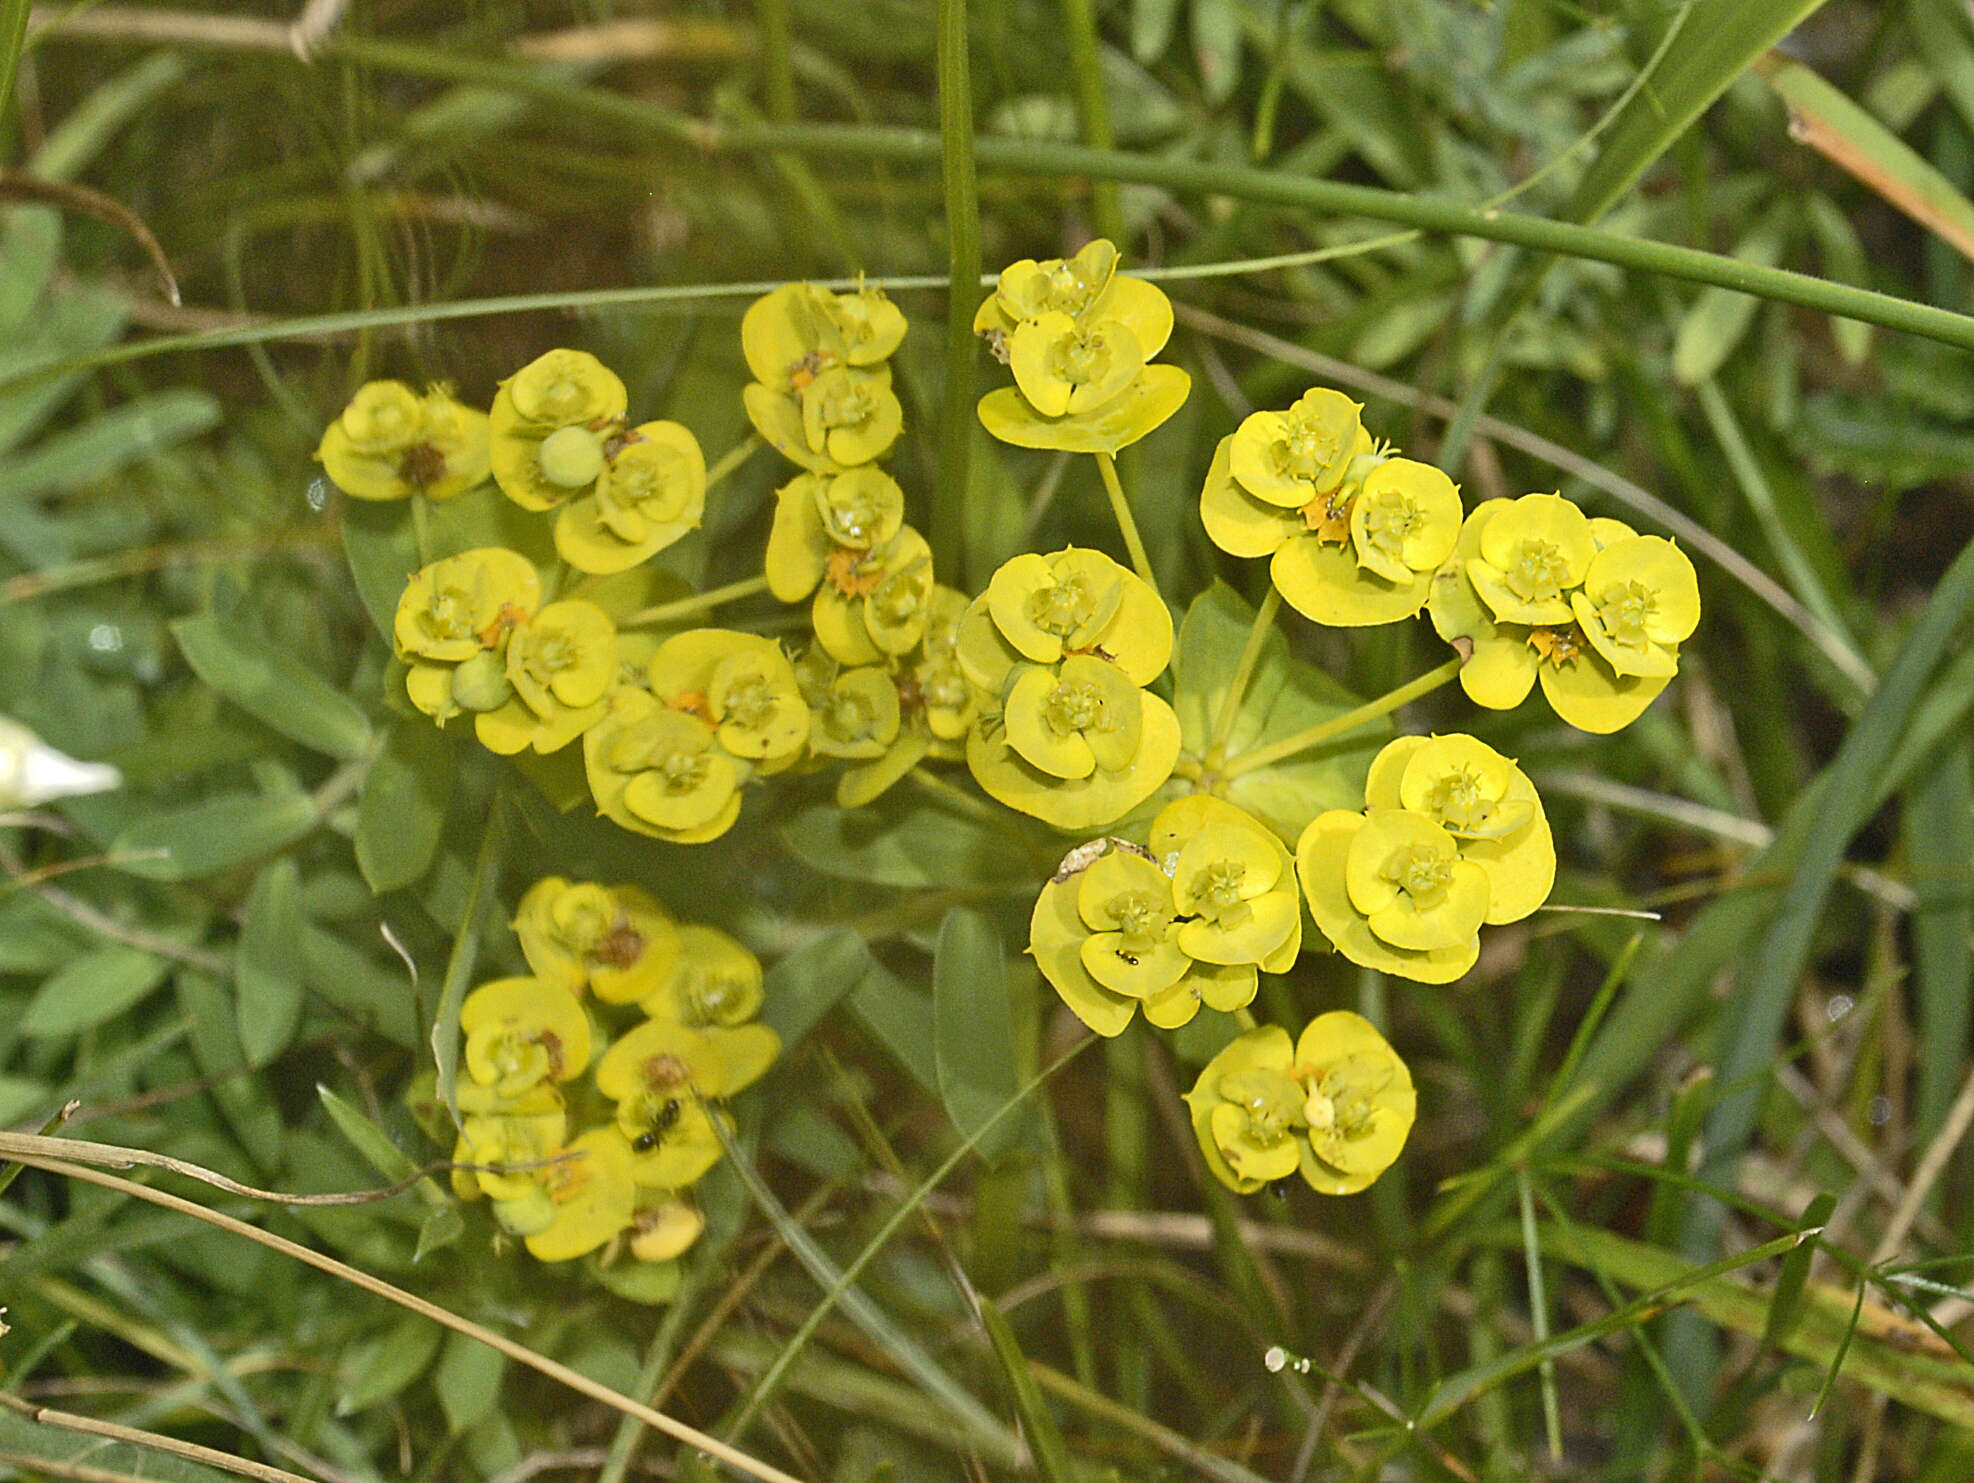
213 1033
273 687
1755 1013
375 996
95 987
1939 848
1719 40
1720 317
370 1140
806 984
377 1368
441 1228
468 1381
402 810
973 1029
1831 124
213 835
13 40
1045 1444
267 970
900 1017
111 441
1785 1304
382 550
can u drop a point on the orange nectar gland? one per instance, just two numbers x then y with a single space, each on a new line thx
855 573
1328 517
567 1177
663 1071
622 946
805 368
507 619
1559 646
422 465
693 703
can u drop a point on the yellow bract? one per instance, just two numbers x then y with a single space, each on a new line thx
454 608
1390 891
650 492
553 425
1078 336
874 606
391 443
662 1076
521 1032
589 1194
844 417
1236 881
616 941
1107 940
1355 535
1041 608
1484 802
792 335
1610 609
714 981
559 665
1336 1106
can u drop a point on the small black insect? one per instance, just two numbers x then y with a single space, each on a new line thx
667 1116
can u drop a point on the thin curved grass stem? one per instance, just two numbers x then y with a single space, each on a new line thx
1230 706
1127 525
1343 725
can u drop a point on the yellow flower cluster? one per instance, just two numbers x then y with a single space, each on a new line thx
1186 920
390 443
1061 649
712 708
1353 533
622 1184
821 393
476 637
1591 607
1079 337
1334 1107
1452 836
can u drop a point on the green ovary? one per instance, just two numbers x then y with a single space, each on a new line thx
1419 873
682 773
845 406
519 1059
1062 608
1390 519
749 703
1539 575
1625 609
897 600
449 614
1080 359
1271 1100
571 457
1216 892
1074 706
1456 799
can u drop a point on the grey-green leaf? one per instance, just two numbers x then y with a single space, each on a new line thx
973 1029
95 987
216 834
267 969
273 687
403 807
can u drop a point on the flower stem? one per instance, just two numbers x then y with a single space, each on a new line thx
1230 706
732 459
1120 507
962 205
699 602
1342 725
421 526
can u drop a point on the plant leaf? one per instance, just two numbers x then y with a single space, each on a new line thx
267 968
273 687
973 1029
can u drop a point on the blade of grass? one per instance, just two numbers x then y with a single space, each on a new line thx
13 40
1538 1311
459 966
1755 1013
1826 121
962 202
1721 39
1939 851
838 1284
1038 1427
562 1374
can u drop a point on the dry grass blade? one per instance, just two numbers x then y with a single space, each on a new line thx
712 1446
136 1437
70 197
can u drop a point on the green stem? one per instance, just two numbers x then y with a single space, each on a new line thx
1093 111
963 262
1121 508
421 527
731 460
1343 725
1230 706
1034 157
13 41
777 67
699 602
465 951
